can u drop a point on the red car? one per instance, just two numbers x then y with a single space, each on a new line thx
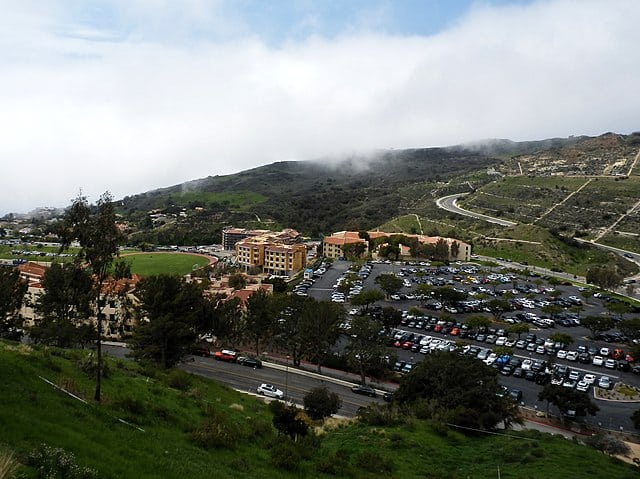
455 332
228 355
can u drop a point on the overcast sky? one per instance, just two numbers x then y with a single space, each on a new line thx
133 95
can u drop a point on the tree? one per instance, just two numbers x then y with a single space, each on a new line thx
389 283
477 322
630 328
287 420
635 417
570 402
562 338
171 310
499 307
220 318
518 328
259 318
320 403
320 328
12 291
441 252
604 276
65 306
618 308
597 324
366 345
367 298
464 387
95 229
237 281
448 295
390 318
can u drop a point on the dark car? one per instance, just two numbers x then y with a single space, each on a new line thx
364 390
387 396
516 395
250 362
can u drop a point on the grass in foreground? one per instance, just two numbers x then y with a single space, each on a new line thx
186 426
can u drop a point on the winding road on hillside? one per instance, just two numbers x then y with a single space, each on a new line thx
449 203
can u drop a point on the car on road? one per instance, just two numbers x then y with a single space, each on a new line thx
364 390
228 355
270 390
250 362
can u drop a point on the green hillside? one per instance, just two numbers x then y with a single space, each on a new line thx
170 424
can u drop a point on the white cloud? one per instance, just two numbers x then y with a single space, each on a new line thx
97 109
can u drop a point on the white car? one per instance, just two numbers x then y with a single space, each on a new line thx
604 352
562 354
501 341
589 378
604 382
597 361
270 390
582 386
526 364
572 355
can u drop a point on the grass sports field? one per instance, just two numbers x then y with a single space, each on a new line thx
146 264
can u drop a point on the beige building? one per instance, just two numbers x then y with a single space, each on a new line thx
117 310
334 245
274 253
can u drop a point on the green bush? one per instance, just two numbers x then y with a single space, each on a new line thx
54 463
371 461
179 380
285 455
89 365
216 432
379 415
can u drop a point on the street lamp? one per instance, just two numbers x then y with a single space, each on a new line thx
286 379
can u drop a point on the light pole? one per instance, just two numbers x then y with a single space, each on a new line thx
286 380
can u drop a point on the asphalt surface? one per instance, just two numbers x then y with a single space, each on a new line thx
612 415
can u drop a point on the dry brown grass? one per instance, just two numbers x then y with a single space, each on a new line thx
8 465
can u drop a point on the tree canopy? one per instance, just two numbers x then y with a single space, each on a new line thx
12 291
464 387
170 314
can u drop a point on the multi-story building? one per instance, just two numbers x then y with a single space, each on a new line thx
334 246
274 253
117 310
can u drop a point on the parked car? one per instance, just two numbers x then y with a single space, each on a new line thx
250 362
229 355
364 390
270 390
604 382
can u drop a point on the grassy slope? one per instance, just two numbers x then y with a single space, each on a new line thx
33 413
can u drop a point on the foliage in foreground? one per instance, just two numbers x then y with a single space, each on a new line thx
178 425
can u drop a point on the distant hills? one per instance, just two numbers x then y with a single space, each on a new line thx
363 192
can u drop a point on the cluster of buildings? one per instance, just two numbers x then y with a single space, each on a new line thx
264 252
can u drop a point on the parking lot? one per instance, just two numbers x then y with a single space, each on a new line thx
535 359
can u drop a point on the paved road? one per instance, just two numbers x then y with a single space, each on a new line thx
449 203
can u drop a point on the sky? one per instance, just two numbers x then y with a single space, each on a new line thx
128 96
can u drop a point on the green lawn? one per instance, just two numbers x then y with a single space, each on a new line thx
146 264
